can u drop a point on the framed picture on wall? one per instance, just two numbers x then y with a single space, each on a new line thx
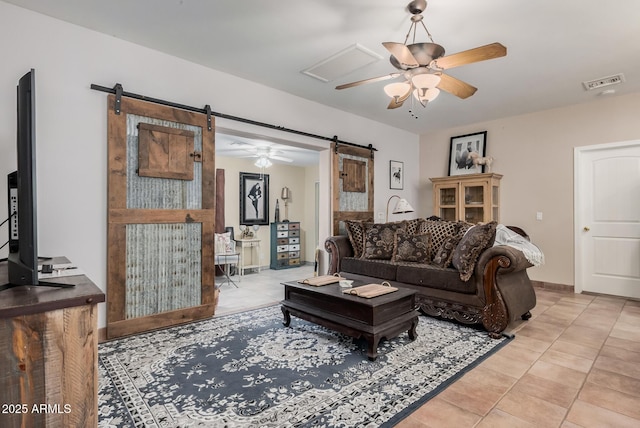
396 175
254 198
463 150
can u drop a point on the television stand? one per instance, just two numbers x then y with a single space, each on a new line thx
47 339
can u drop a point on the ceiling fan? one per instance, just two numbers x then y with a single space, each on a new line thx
263 153
422 65
268 153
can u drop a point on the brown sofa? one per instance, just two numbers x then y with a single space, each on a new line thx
497 291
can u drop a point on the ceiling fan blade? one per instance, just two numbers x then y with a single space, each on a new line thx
400 100
456 86
482 53
280 158
373 79
402 54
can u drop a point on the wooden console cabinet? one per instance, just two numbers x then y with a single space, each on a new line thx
473 198
285 245
49 354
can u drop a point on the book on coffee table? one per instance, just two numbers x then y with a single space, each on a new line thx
371 290
319 281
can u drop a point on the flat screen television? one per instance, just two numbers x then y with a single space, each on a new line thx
23 242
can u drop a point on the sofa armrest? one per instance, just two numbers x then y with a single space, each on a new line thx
501 267
517 260
338 247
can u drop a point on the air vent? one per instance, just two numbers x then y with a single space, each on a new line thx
603 81
342 63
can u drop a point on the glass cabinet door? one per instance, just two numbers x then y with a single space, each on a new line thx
474 200
448 200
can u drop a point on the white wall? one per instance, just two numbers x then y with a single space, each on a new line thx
535 154
72 132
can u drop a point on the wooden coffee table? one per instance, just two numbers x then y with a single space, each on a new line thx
380 317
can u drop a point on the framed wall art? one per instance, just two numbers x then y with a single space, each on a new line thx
463 150
254 198
396 175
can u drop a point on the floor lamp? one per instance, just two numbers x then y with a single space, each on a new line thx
402 206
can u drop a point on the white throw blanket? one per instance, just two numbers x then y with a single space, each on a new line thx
506 236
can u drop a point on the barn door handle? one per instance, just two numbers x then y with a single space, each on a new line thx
586 229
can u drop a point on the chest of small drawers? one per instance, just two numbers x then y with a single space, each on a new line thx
285 245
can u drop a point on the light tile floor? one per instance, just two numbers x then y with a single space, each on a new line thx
575 363
257 289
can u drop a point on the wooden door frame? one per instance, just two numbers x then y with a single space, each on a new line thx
579 154
119 216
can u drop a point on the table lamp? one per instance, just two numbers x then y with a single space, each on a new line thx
285 195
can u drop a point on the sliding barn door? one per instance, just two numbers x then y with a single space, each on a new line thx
352 170
160 217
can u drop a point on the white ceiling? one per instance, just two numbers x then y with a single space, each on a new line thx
553 45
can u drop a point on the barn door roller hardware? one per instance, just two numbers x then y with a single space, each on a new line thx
118 106
119 93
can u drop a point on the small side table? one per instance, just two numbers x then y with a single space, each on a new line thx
226 260
252 261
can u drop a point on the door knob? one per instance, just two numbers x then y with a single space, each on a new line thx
586 229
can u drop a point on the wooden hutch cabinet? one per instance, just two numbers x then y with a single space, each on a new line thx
285 245
473 198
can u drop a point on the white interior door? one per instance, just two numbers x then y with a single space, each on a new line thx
607 227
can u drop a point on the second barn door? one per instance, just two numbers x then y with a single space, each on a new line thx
352 185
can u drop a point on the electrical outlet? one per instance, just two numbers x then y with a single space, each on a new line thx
539 215
380 216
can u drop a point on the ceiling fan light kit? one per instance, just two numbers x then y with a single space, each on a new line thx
397 90
422 65
425 81
424 95
263 162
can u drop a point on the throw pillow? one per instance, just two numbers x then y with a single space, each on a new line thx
355 232
223 243
475 241
463 226
413 226
444 254
411 248
439 230
380 240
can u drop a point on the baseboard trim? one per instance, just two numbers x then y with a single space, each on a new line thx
561 288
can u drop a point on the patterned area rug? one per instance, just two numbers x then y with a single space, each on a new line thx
248 370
